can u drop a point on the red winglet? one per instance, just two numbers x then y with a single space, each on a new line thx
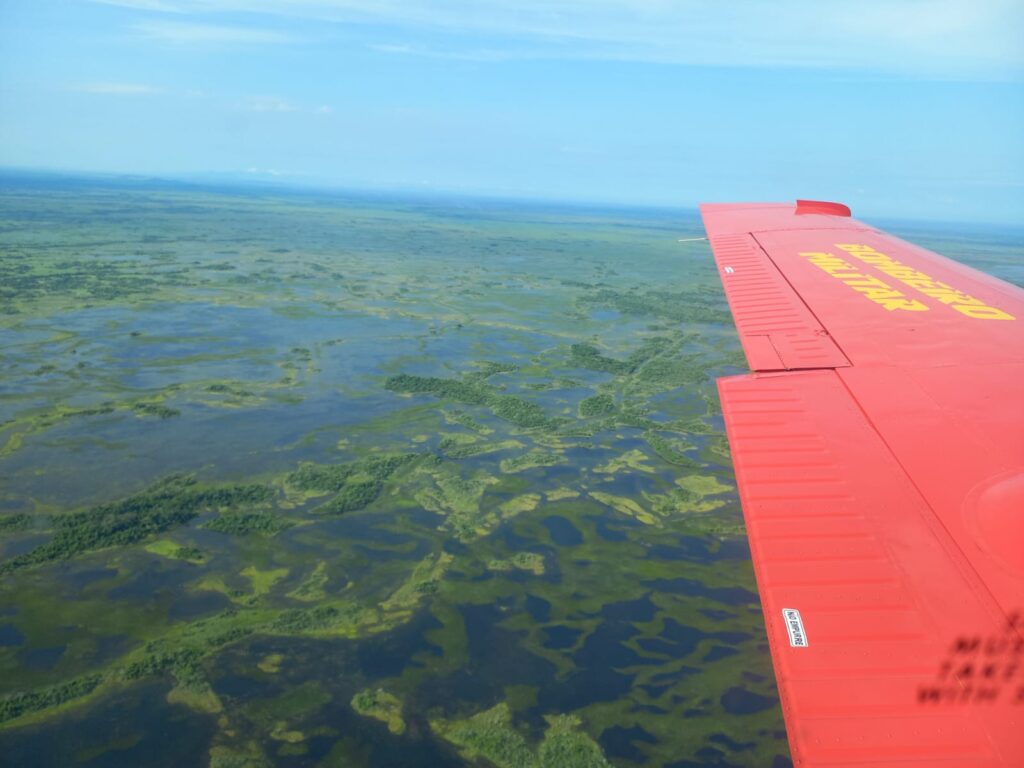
823 207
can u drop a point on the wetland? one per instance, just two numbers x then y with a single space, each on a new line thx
311 479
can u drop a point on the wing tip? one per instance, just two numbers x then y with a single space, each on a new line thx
802 207
822 207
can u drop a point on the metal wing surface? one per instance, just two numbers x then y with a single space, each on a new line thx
879 451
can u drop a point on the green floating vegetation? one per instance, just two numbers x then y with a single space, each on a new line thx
16 522
490 368
596 405
380 705
463 419
488 735
459 500
689 306
356 484
477 449
634 459
356 494
264 581
491 735
672 372
700 486
522 561
293 703
671 450
271 663
247 756
562 494
530 460
470 393
155 409
244 523
174 551
331 478
456 498
453 440
522 413
312 587
23 703
627 507
693 500
565 746
167 505
588 356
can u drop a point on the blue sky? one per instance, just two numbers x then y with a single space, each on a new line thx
905 108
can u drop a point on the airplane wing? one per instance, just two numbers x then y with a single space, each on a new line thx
879 453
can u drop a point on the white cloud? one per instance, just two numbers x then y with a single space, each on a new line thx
948 37
187 33
323 109
116 89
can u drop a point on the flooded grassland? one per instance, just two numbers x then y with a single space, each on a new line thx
309 481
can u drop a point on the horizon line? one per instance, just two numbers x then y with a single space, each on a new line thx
241 180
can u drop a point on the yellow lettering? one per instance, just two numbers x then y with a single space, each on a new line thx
983 312
910 305
868 286
919 281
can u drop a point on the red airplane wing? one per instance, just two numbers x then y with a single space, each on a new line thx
879 452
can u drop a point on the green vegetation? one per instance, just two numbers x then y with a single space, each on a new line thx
380 705
522 413
356 494
243 523
626 506
687 306
635 460
189 554
20 704
470 393
16 522
530 460
356 484
167 505
312 587
488 735
457 498
174 551
271 663
523 561
597 405
490 368
492 736
588 356
264 581
670 450
327 478
155 409
565 746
